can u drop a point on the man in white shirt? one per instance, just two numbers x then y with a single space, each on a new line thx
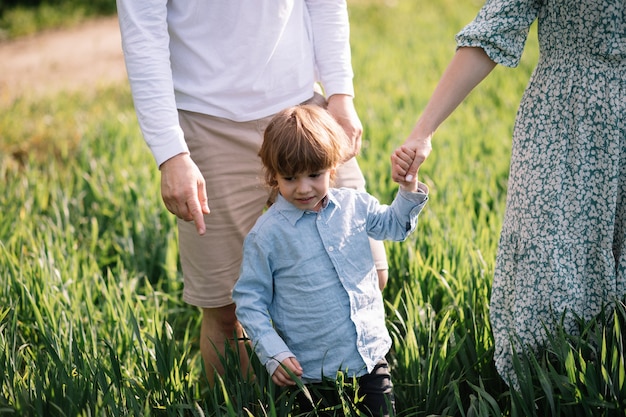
206 76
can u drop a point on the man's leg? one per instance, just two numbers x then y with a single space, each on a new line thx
383 276
219 327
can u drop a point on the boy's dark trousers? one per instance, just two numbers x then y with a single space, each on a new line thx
375 387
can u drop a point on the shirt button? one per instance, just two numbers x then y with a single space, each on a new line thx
330 249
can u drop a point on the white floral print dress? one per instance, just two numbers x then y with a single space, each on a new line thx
563 242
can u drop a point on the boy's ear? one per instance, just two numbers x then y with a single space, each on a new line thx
333 176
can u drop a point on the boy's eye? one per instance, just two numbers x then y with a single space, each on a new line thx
315 175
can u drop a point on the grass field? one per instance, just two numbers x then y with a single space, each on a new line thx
91 316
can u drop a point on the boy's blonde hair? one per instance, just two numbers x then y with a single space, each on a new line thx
304 138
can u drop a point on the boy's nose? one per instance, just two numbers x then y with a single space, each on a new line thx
303 186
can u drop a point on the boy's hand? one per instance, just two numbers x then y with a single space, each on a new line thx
281 376
401 160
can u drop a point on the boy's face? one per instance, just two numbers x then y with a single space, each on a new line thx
305 190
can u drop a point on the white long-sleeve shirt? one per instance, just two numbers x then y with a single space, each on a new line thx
237 59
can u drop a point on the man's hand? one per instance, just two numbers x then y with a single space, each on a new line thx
184 190
341 107
281 376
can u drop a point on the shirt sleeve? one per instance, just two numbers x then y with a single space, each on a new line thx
145 43
501 29
253 294
331 39
398 220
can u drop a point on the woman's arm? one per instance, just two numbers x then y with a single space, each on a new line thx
466 70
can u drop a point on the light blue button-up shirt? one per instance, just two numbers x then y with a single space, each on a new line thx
308 286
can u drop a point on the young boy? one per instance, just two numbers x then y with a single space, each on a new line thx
308 294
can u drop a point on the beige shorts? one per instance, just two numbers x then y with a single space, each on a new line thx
226 153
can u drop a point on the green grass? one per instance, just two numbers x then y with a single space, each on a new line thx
22 18
91 314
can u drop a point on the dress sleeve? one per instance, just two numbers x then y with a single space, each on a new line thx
501 29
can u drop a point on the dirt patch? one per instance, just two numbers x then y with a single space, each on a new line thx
85 56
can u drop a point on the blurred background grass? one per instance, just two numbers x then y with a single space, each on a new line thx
26 17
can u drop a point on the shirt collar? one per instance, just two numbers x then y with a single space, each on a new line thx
293 214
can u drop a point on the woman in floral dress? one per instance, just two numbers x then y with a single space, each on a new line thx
562 250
